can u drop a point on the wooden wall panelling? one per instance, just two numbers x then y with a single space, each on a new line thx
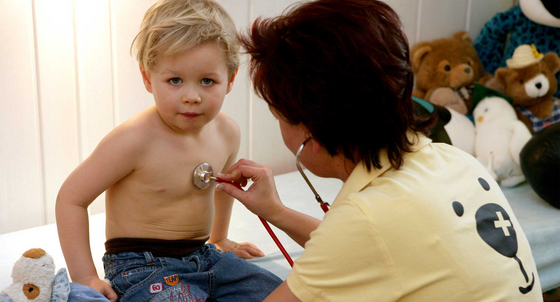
268 147
131 96
57 94
236 103
482 11
95 78
21 183
408 13
439 19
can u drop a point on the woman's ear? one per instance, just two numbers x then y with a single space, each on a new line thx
231 80
146 79
316 145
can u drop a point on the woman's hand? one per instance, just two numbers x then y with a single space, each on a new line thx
243 250
262 197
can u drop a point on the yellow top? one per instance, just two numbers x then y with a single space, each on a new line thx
437 229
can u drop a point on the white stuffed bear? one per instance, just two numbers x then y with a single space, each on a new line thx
34 280
499 138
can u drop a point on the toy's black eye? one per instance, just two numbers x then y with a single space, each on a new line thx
469 62
486 110
30 289
447 68
521 81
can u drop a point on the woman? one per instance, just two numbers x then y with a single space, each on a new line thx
414 221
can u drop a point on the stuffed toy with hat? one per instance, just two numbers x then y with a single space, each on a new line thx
34 279
499 139
529 80
531 22
445 70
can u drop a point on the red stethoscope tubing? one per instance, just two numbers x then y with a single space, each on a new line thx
268 229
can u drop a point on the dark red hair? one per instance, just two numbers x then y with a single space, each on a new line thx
340 67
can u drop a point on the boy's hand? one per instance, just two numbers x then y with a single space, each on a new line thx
243 250
103 288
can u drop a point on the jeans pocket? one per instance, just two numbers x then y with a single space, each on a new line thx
134 278
179 293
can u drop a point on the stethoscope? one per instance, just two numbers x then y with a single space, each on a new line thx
202 177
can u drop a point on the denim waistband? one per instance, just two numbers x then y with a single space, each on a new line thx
158 247
114 263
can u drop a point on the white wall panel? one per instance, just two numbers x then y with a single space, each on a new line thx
237 103
440 19
57 94
95 78
21 188
408 13
483 10
131 95
267 146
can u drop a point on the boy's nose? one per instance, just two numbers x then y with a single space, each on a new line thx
192 98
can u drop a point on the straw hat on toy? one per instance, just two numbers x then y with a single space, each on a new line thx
523 56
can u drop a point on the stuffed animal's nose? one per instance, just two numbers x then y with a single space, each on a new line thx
467 70
538 85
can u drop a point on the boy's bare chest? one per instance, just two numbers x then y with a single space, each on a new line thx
168 170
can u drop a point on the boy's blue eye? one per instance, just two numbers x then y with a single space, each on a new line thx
175 81
207 81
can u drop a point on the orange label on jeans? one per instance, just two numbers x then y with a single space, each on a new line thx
171 280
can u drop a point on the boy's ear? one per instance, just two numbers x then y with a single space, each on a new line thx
231 80
146 79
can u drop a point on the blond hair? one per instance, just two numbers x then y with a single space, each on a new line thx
172 26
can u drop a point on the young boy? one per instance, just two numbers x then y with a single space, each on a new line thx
157 221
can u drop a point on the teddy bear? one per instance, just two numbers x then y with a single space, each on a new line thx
531 21
499 139
445 70
34 279
530 81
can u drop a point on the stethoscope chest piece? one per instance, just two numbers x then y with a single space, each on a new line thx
202 176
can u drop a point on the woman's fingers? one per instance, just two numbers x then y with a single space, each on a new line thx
241 173
242 162
261 197
232 190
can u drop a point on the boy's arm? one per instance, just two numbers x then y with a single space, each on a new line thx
112 160
223 204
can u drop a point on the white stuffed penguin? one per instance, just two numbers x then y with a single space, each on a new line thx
33 276
500 136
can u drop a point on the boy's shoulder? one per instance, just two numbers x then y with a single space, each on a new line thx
227 125
140 128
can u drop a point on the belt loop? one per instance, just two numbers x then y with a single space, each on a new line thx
149 257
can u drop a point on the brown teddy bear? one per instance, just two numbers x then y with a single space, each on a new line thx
529 80
445 71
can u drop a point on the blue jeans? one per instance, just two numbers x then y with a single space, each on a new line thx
207 274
